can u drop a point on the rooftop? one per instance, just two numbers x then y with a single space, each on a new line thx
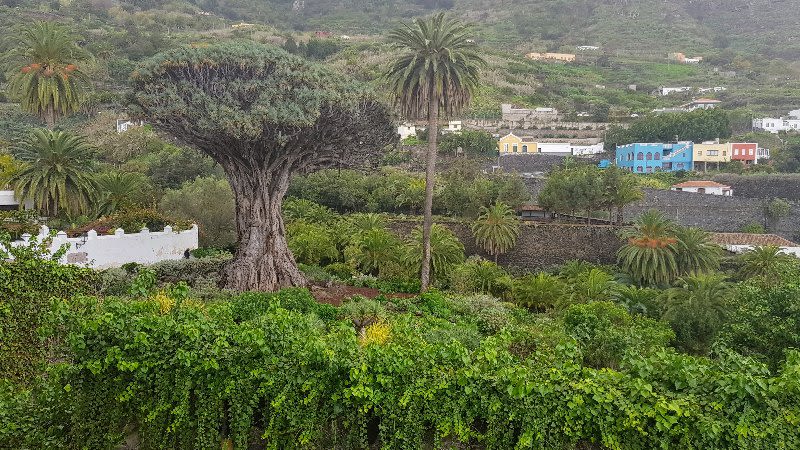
756 240
699 184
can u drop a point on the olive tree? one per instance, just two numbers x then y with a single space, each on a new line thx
263 115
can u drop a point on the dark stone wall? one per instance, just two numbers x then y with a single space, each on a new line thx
539 246
786 186
713 212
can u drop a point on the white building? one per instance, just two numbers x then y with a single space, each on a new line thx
9 202
106 251
454 126
584 48
664 91
776 125
557 148
583 150
761 153
701 103
704 187
406 130
744 242
124 125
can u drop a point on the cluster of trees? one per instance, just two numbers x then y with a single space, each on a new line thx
697 126
362 244
461 191
586 189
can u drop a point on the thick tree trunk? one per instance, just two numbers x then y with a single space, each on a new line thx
262 261
430 174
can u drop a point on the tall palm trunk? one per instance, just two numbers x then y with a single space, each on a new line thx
430 173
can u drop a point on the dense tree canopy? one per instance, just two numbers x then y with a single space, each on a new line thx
263 115
697 126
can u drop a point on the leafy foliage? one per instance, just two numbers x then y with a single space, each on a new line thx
30 277
57 174
496 229
45 78
446 250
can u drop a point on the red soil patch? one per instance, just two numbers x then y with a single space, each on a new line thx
335 295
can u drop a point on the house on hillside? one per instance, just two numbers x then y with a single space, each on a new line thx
776 125
512 143
664 91
745 152
711 152
683 59
585 48
242 25
124 125
704 187
744 242
701 103
534 213
655 157
562 57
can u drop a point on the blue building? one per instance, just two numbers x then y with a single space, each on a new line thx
649 158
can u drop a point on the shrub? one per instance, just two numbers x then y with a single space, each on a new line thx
539 292
605 332
478 276
27 286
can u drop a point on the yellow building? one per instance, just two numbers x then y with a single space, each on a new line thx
512 143
711 153
564 57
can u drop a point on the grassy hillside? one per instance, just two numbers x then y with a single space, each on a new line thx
746 38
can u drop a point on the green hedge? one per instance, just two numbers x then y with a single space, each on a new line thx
279 371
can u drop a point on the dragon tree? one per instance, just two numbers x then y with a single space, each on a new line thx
264 115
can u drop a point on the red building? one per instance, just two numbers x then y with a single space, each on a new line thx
745 153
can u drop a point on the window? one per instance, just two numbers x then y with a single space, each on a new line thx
751 152
736 152
724 153
515 148
700 153
640 169
649 156
640 156
679 166
649 170
505 148
713 153
524 149
657 156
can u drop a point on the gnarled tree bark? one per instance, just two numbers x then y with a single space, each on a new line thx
263 260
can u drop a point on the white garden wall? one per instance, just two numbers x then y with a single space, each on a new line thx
105 251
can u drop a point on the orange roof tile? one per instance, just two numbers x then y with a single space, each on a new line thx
700 183
751 239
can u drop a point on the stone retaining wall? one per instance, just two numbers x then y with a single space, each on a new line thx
539 246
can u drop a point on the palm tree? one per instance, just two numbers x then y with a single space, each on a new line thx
496 229
45 77
766 263
446 250
373 249
696 253
58 171
649 256
539 292
438 71
119 190
696 310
